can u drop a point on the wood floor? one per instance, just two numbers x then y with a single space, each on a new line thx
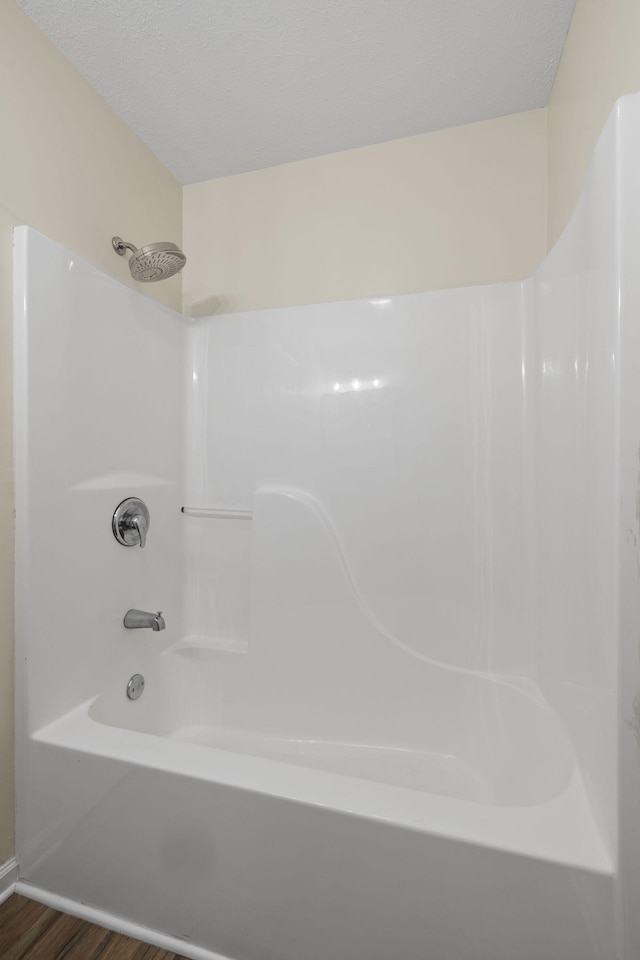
30 931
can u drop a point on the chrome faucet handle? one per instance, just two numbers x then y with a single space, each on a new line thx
130 522
140 524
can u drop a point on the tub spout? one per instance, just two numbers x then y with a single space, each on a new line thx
136 619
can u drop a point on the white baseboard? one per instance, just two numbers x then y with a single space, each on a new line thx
112 922
8 878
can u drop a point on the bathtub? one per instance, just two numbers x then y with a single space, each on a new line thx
299 848
516 786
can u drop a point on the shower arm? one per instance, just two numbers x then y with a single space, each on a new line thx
121 246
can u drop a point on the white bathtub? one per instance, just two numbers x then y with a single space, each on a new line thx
513 786
253 840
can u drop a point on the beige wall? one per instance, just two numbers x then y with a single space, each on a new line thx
460 206
600 62
73 170
457 207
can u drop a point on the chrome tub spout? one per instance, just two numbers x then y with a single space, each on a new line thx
138 619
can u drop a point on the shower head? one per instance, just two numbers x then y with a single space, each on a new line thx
156 261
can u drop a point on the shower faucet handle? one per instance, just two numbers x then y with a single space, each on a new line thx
140 524
130 522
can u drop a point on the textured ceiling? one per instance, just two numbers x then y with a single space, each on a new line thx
217 87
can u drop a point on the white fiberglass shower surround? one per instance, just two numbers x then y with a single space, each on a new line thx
394 712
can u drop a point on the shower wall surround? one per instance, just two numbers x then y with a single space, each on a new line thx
398 421
392 711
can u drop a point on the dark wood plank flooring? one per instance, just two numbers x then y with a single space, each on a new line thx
31 931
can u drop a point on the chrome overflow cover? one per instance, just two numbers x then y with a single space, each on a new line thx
135 687
130 522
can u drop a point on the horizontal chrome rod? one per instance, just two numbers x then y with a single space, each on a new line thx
215 513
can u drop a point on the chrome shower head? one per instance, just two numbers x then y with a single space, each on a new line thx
156 261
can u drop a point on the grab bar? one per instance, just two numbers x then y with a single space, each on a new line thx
218 513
